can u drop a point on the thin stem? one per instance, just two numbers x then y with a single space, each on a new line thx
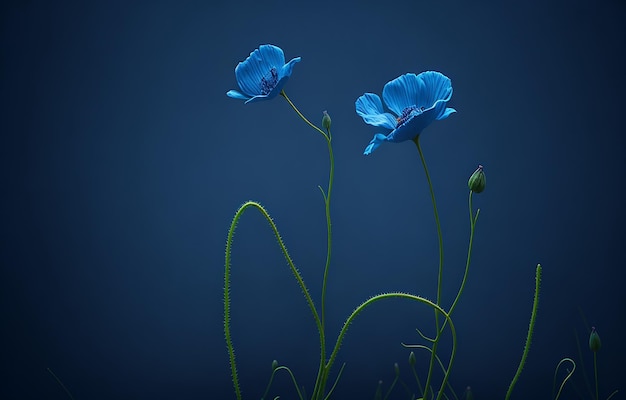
60 383
328 225
440 275
282 93
569 375
473 220
595 372
293 379
330 392
322 374
531 328
443 369
419 383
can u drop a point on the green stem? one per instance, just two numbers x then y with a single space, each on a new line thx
569 375
437 222
531 327
294 270
419 299
60 383
595 372
328 226
322 374
419 383
293 379
473 220
443 369
282 93
440 274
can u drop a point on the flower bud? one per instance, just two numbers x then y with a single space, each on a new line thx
396 368
477 181
326 121
468 393
412 359
594 340
274 365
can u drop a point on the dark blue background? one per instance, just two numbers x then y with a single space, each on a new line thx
123 162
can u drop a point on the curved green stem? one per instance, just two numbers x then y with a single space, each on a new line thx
320 381
612 394
531 327
282 93
473 220
440 274
293 379
294 270
569 375
419 299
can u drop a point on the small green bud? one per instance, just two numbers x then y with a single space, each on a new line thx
396 368
477 181
326 121
412 359
594 340
468 393
274 365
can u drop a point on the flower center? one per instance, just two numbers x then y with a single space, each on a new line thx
407 113
268 83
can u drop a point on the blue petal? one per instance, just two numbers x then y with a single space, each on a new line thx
272 56
259 97
370 108
446 113
402 92
285 70
250 72
283 76
236 95
437 87
374 143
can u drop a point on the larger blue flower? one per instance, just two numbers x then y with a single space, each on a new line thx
263 74
416 101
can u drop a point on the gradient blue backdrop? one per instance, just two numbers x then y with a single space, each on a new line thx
122 163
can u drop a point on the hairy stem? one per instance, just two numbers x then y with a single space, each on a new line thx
531 327
419 299
294 270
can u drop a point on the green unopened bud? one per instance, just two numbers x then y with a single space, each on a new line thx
326 121
477 181
396 368
274 365
594 340
468 393
412 359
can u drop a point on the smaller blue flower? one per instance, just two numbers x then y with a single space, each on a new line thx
263 74
415 100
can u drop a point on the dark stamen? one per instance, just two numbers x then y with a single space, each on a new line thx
407 113
269 83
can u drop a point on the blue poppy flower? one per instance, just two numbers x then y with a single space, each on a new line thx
263 74
415 100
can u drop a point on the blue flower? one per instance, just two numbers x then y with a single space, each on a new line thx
416 101
263 74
